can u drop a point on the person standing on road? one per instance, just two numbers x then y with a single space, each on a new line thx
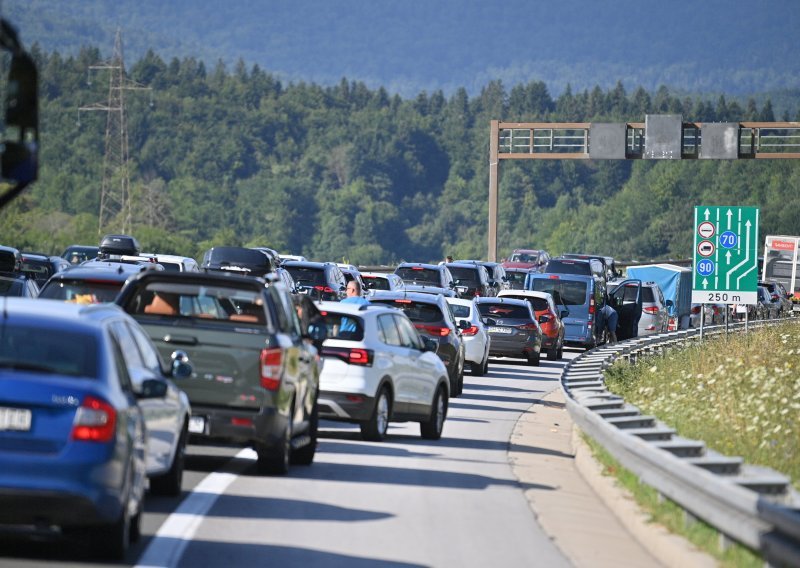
610 317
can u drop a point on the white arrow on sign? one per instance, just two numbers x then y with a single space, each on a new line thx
743 274
729 214
705 283
728 257
707 213
746 257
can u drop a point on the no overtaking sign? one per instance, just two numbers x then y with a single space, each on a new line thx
725 255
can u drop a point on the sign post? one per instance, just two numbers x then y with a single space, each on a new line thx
725 255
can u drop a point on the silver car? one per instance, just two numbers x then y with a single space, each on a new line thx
655 316
473 332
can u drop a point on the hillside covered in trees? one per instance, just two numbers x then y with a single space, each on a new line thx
346 172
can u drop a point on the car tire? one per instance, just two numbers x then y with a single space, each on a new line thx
305 455
170 483
374 429
561 351
552 353
114 539
431 429
534 359
275 461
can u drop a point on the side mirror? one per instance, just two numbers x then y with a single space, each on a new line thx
181 366
564 314
153 388
463 324
317 332
669 303
544 319
19 162
429 344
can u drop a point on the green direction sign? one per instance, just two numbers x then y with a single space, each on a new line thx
725 255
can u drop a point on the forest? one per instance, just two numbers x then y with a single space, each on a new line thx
235 156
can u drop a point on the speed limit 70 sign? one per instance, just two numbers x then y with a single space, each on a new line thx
725 255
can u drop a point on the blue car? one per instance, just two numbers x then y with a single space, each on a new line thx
73 437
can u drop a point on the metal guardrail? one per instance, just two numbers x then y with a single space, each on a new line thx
752 505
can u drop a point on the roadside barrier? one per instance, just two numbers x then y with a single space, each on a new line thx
752 505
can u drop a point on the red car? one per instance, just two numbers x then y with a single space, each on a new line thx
527 258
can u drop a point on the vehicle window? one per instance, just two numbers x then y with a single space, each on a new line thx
206 303
464 274
147 350
523 257
81 291
387 330
504 310
408 334
564 292
307 277
344 327
376 283
627 294
419 275
515 277
130 351
647 294
72 354
460 311
568 267
418 312
538 304
285 313
119 363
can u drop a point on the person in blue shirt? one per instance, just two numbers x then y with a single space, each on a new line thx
353 297
610 317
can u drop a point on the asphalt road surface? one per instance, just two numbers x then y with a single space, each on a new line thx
405 502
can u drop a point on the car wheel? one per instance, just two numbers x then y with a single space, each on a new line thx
533 358
461 382
305 455
113 540
561 351
552 353
170 483
486 364
375 428
275 461
432 428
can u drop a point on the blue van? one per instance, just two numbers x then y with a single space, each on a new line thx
580 299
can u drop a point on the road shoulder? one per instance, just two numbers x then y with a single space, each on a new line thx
590 518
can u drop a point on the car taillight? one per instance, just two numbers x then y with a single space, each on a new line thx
591 305
271 364
553 277
95 421
652 310
437 330
350 355
471 330
529 327
325 289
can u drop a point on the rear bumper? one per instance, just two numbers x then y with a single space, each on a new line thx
514 347
345 406
240 426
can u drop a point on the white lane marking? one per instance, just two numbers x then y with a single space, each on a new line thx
169 543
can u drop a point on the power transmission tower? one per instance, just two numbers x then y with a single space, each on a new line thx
115 195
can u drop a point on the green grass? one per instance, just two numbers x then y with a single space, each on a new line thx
670 515
740 394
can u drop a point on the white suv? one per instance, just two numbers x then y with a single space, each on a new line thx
473 332
377 369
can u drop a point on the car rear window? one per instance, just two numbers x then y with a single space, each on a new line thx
538 304
564 292
376 283
648 295
464 274
81 291
460 311
568 267
199 301
508 311
419 275
516 277
345 327
307 277
41 349
417 312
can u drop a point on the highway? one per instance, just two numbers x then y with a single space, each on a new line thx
405 502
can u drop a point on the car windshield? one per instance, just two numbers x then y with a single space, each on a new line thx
81 291
524 257
515 277
417 312
44 350
564 292
419 275
503 310
538 304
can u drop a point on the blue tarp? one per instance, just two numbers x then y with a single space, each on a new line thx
675 282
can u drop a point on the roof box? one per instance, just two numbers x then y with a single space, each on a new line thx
119 245
240 260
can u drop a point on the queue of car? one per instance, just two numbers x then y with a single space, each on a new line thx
121 358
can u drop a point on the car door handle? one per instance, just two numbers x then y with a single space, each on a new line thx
180 339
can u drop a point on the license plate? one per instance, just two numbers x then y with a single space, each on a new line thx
16 419
197 425
506 330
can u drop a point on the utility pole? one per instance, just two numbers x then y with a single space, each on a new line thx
115 195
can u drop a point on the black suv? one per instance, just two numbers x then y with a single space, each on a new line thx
471 279
425 274
12 281
40 267
320 280
433 317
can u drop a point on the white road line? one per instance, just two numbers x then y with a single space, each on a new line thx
169 543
